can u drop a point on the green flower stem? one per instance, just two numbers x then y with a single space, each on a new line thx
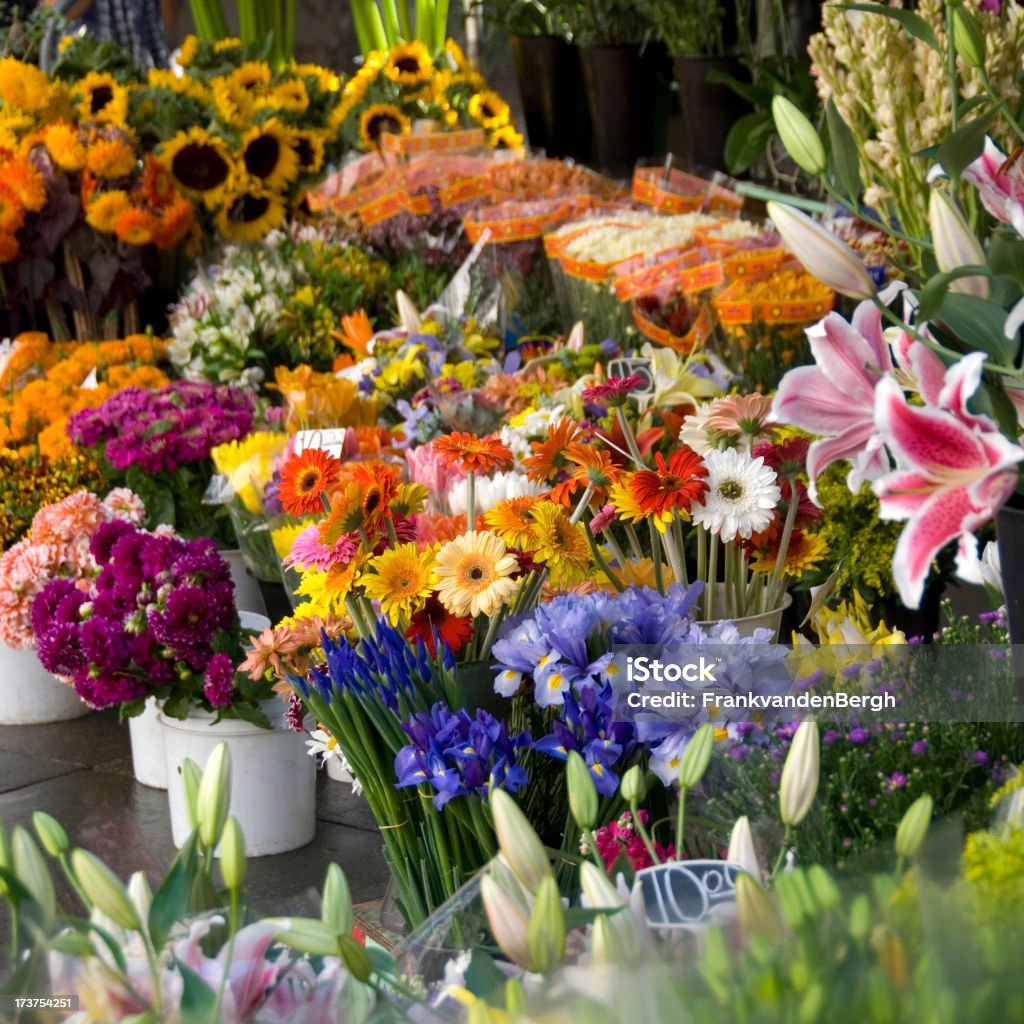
470 501
702 556
233 922
777 585
954 84
680 822
786 839
634 542
659 582
627 433
602 564
709 594
642 831
1001 103
584 502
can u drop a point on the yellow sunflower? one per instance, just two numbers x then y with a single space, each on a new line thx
226 104
560 544
249 81
488 109
475 574
200 165
409 64
23 86
309 148
187 52
161 78
401 579
379 118
103 212
65 147
100 98
111 158
324 79
290 95
458 58
248 216
231 43
505 137
268 154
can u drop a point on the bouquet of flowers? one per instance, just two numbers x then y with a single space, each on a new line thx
159 443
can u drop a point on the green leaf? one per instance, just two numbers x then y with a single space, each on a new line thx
197 998
979 324
176 706
911 23
964 146
170 901
1006 256
746 140
250 714
755 96
483 976
843 160
935 291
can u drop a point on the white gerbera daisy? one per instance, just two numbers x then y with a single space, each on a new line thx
741 497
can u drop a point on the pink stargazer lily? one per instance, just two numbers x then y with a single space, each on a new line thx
1000 185
955 471
836 397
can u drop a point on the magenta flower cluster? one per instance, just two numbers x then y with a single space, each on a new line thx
163 429
159 618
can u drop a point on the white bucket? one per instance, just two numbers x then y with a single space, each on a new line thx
749 623
29 695
148 758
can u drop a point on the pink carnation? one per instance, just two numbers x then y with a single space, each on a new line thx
25 568
122 503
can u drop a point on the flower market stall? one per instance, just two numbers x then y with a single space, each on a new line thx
639 549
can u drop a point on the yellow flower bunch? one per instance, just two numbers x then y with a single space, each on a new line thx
249 464
320 400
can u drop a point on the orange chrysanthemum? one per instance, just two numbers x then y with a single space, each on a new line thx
675 485
137 227
26 183
474 454
156 184
305 479
12 213
110 158
64 146
549 458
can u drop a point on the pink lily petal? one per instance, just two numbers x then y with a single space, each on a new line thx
961 381
249 973
854 444
806 399
901 494
843 356
867 321
922 370
1001 191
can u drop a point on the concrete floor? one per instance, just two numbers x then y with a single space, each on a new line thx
81 773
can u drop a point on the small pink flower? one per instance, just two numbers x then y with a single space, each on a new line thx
1000 185
603 520
614 390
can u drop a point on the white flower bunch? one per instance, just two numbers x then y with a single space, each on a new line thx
532 425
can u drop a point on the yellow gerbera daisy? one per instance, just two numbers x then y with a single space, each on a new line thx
269 155
200 165
806 550
560 544
105 210
65 147
629 509
401 579
379 118
489 109
111 158
409 64
475 574
23 86
247 216
101 99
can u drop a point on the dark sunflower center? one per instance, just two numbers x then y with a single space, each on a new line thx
408 65
249 208
381 123
262 155
200 167
101 96
487 110
304 150
309 481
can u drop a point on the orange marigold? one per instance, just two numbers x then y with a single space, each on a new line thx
26 182
111 158
474 454
65 146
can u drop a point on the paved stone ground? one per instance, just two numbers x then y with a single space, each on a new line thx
81 773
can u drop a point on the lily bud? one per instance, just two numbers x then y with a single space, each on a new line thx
190 778
355 957
140 894
757 914
968 39
914 827
232 855
824 887
582 792
741 848
694 762
860 917
408 314
515 997
305 935
634 786
597 888
337 905
547 931
104 889
798 136
31 869
799 783
51 834
521 847
955 244
508 922
214 796
604 943
823 256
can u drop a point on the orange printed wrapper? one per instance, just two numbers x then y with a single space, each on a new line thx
432 142
692 341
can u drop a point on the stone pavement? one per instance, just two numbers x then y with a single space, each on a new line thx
81 773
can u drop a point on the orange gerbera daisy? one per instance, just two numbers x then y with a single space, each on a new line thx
549 459
593 467
364 504
512 522
175 223
474 454
673 485
304 480
156 185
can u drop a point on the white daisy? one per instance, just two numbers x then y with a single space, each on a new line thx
323 743
742 495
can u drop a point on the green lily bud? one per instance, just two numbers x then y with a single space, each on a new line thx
798 135
582 792
104 889
812 1005
306 935
790 905
508 922
355 957
337 904
914 827
597 887
955 244
515 996
214 796
51 834
756 911
799 783
633 786
232 855
479 1013
968 39
546 934
603 942
519 843
824 887
140 894
5 858
190 779
860 918
31 869
694 762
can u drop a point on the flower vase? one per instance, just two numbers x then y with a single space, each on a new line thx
148 755
748 624
29 695
1010 538
273 779
248 597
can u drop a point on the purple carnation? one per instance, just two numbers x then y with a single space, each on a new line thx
57 603
59 651
105 645
104 539
219 681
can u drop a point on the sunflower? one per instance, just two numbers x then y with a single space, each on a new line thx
12 213
200 165
101 99
379 118
488 109
309 148
560 544
409 64
227 106
474 454
401 579
175 223
161 78
248 216
65 146
9 248
111 158
103 212
475 574
22 178
290 95
304 480
512 522
187 51
247 83
458 58
23 86
268 154
505 137
136 227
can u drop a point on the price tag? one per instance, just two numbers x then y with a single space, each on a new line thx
331 440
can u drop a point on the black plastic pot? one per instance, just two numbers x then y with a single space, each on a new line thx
706 112
1010 538
553 96
628 92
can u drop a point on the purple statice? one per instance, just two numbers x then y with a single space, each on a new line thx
458 754
218 681
857 736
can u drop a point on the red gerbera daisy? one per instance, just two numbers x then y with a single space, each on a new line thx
474 454
454 630
675 485
305 479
